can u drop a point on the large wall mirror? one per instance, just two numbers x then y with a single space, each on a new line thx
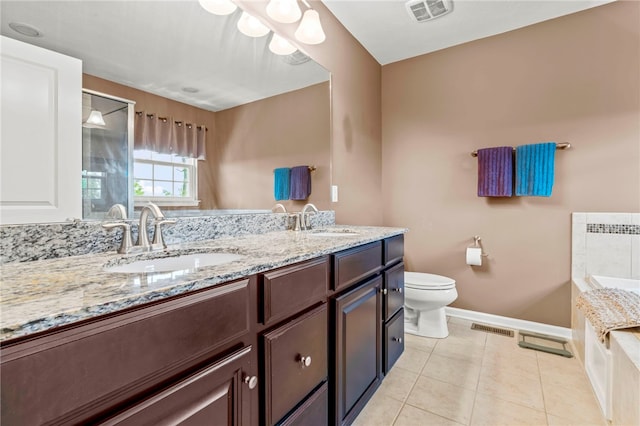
263 111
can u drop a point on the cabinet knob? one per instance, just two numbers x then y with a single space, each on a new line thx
384 291
398 289
251 381
305 361
397 339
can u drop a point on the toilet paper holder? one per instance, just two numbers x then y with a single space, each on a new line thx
476 244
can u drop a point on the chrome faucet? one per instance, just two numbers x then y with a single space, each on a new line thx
159 220
115 211
305 216
275 208
143 244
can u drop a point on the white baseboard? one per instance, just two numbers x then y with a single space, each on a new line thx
512 323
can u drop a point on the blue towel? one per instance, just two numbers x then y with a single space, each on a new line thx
300 187
535 169
281 179
495 172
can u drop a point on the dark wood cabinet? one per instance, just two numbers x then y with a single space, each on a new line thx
217 395
357 370
295 362
306 344
88 371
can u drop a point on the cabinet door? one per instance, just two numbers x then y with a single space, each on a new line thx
216 395
358 363
394 290
41 143
393 340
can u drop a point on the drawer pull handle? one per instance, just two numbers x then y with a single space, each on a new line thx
251 381
305 361
397 339
398 289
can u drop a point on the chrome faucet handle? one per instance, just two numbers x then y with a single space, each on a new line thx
275 208
158 241
126 243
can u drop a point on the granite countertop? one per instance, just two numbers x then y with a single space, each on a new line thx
44 294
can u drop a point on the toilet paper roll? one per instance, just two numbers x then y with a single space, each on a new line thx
474 256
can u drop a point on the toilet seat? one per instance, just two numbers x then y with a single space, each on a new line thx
422 281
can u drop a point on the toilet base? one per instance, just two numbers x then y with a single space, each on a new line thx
428 324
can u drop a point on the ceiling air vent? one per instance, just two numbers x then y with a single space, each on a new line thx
426 10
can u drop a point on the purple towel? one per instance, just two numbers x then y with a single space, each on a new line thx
495 172
300 184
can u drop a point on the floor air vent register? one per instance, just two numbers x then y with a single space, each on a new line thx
530 340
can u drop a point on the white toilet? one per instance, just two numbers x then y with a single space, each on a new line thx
425 297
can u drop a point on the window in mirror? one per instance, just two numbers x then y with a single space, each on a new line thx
164 179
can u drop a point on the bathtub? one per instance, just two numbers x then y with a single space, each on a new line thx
603 362
599 281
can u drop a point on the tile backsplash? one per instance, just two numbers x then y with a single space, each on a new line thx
22 243
605 244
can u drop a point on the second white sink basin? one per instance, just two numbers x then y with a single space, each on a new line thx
174 263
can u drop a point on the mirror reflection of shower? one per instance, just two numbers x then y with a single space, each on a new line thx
106 154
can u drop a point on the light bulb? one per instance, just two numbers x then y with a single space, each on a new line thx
218 7
280 45
284 11
251 26
310 30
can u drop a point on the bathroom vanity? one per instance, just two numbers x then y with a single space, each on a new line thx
301 330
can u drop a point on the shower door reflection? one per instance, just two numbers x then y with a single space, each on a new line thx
106 154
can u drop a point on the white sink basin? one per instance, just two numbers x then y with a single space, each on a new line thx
174 263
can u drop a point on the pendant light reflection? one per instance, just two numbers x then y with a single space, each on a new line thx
284 11
280 46
310 30
251 26
218 7
94 120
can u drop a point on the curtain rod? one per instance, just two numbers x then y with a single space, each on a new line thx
179 123
559 145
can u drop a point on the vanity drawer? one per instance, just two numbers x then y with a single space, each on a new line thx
313 412
93 367
394 340
393 249
353 265
393 290
295 362
287 291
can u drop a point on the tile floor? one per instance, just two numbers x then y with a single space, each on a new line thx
477 378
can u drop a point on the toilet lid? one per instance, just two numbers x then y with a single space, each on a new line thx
420 280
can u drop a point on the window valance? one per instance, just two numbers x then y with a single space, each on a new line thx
165 135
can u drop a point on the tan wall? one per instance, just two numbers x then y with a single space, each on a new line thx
356 150
246 143
573 79
287 130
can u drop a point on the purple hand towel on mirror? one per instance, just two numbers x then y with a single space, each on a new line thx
495 172
300 185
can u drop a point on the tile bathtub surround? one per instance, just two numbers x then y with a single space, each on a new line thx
24 243
43 294
605 244
491 381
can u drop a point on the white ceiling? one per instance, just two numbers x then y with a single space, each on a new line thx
161 47
164 46
386 30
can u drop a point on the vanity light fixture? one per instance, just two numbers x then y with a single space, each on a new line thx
218 7
310 30
280 45
251 26
94 120
284 11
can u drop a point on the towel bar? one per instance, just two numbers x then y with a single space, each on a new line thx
560 145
